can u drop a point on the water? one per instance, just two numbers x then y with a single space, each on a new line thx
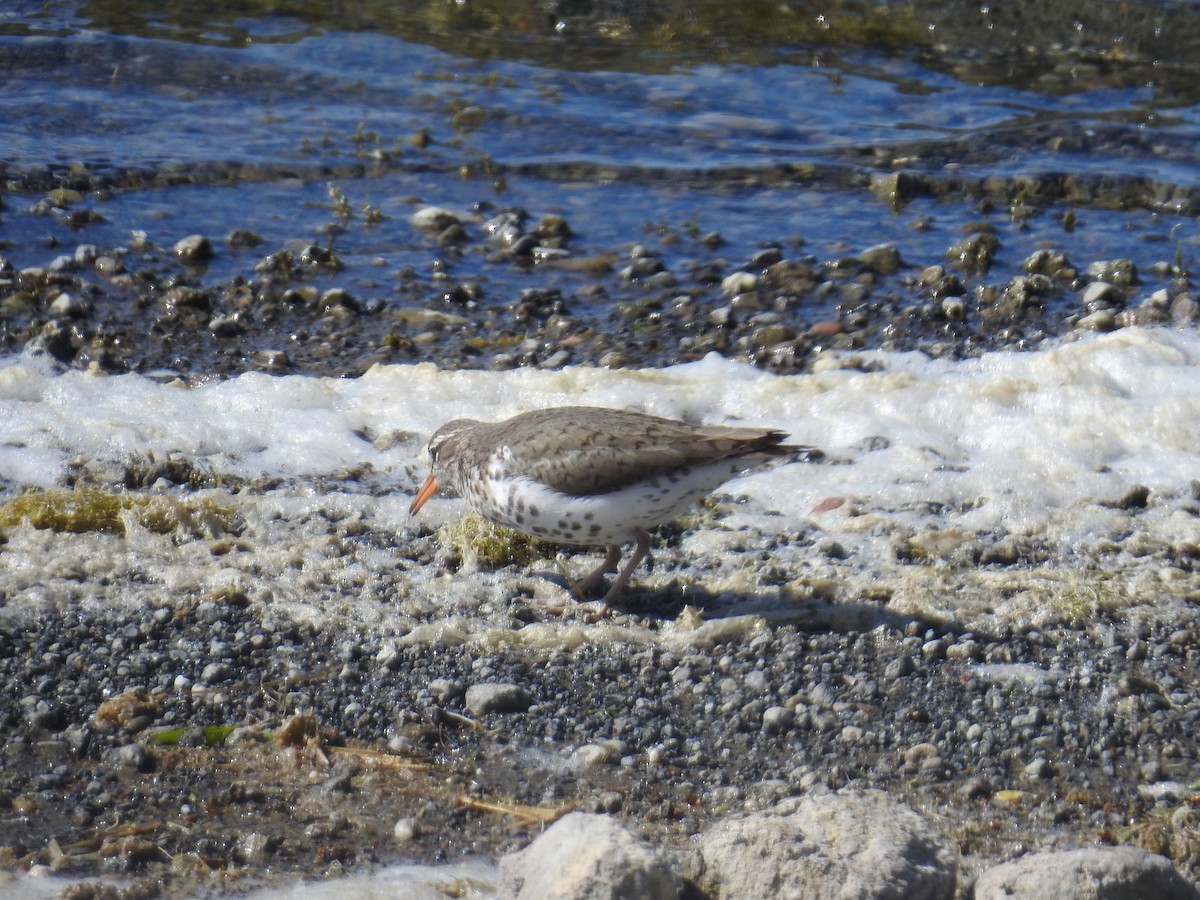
768 125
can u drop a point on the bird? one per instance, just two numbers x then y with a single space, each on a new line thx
592 476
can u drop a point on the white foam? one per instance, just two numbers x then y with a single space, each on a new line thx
1037 443
1030 433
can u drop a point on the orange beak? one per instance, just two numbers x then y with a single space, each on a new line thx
428 489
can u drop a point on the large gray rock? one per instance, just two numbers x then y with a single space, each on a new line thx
1102 873
849 846
588 857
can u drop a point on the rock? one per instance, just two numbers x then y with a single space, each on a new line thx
336 299
257 847
1185 310
770 335
130 756
225 326
1100 873
193 249
1121 272
67 305
897 187
446 689
738 283
641 268
882 259
482 699
584 856
777 719
433 218
1101 320
1046 262
1101 295
848 845
954 309
592 756
975 252
405 830
419 317
552 228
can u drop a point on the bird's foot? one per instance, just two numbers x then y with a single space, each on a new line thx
589 611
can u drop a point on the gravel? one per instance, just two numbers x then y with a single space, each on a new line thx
223 732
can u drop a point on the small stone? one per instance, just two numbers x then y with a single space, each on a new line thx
194 249
899 667
592 756
777 719
272 360
1102 320
109 266
954 309
68 305
552 227
130 756
1046 262
433 218
722 315
747 302
964 650
215 672
257 847
444 690
642 267
225 326
1119 272
935 649
882 259
1101 295
1039 768
336 299
976 252
405 830
918 753
1185 310
768 256
482 699
771 335
738 283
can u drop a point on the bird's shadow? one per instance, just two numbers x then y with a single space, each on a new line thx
819 611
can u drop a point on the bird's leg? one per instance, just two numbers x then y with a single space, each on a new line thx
580 588
639 553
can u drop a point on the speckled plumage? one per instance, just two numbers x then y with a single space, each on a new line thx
592 476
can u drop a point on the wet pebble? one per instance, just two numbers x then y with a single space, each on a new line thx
433 219
130 756
482 699
194 249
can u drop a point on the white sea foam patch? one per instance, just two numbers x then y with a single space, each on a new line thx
1014 441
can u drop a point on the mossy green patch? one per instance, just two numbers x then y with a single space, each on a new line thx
214 734
89 509
491 546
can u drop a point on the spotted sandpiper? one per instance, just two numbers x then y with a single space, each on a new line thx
592 476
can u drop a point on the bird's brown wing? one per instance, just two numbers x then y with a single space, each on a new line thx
584 451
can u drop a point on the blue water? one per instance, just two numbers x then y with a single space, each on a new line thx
688 143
